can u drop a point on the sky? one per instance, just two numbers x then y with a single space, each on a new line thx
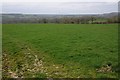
59 6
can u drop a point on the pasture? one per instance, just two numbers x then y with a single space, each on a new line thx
60 50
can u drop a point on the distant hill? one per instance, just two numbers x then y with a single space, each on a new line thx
109 15
37 18
106 15
59 15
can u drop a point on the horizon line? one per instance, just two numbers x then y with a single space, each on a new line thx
60 13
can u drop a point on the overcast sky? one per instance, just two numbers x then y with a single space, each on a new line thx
59 6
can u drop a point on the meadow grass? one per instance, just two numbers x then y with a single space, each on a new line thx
0 51
66 50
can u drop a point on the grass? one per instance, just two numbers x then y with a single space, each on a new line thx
64 50
0 50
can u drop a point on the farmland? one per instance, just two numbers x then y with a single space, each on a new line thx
60 50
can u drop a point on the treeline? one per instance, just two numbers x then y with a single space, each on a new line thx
62 20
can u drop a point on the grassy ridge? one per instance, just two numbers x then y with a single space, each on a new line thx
67 50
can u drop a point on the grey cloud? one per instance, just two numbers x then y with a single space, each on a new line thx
59 7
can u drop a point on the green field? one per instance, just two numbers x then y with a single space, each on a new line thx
60 50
